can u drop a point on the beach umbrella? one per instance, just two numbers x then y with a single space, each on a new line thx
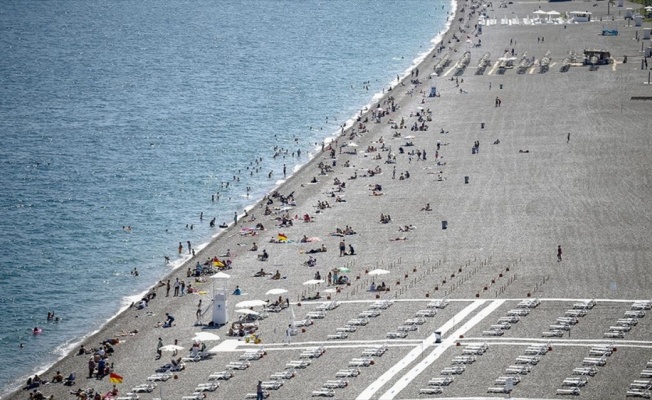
251 303
220 275
205 336
276 291
553 13
352 144
313 282
247 311
171 347
540 12
330 290
378 272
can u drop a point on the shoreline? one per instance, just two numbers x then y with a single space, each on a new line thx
126 302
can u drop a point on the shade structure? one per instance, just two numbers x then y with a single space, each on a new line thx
220 275
313 282
171 347
205 336
276 291
247 311
251 303
379 272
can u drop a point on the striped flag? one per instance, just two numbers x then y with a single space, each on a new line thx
115 378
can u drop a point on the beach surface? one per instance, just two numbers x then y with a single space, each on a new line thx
562 160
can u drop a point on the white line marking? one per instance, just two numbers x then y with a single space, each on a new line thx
556 342
432 357
449 71
493 69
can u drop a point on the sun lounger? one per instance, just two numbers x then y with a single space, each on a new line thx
627 321
336 384
644 393
530 303
144 388
442 381
567 320
323 393
640 384
493 332
642 305
599 352
594 361
590 371
407 328
331 305
532 360
287 374
614 335
415 321
646 373
510 320
361 362
347 328
502 380
358 322
575 313
255 396
431 390
568 392
274 309
498 389
161 377
222 375
194 396
314 352
299 364
519 312
584 305
171 367
620 328
559 327
338 335
207 387
239 365
453 370
504 326
191 358
396 335
316 315
431 312
381 305
463 360
476 348
635 314
374 351
272 385
473 351
369 314
347 373
518 370
536 350
438 304
553 333
575 382
250 356
303 323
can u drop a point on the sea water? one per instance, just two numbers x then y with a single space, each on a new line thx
135 113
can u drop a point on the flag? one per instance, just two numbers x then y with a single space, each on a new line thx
115 378
282 237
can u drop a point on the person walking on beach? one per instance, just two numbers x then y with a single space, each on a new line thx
559 253
342 248
189 246
568 138
167 289
284 170
259 391
158 348
176 287
288 335
198 314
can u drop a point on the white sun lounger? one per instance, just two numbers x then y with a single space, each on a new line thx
635 314
431 390
316 315
191 358
575 382
646 373
443 381
510 319
463 360
493 332
194 396
644 393
358 321
221 375
553 333
519 312
518 370
369 314
299 364
453 370
331 305
483 347
207 387
239 365
642 305
584 305
600 352
250 356
590 371
255 396
594 361
567 320
559 327
144 388
532 360
336 384
627 321
374 351
159 377
286 374
396 335
530 303
614 335
323 393
473 351
620 328
502 380
361 362
575 313
437 304
347 328
504 326
641 384
498 389
338 335
415 321
568 392
407 328
347 373
272 385
536 350
303 323
431 312
382 305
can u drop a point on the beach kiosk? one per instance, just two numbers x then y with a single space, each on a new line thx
220 302
596 57
580 16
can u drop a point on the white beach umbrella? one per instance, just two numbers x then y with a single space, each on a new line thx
330 290
378 272
220 275
313 282
205 336
171 347
276 291
553 13
251 303
540 12
247 311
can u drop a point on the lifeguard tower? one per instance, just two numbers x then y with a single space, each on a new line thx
220 302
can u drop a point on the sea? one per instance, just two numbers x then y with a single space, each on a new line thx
124 121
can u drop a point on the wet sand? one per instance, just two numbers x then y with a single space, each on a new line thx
590 195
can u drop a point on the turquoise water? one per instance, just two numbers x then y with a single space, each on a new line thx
133 113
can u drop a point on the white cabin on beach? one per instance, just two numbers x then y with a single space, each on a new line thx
580 16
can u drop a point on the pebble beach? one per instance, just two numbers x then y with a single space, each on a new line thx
517 164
